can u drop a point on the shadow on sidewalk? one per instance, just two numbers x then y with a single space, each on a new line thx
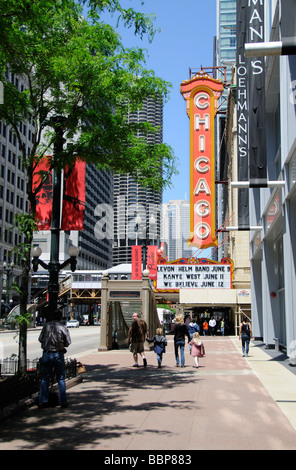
109 404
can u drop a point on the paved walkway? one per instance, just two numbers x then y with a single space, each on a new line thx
230 403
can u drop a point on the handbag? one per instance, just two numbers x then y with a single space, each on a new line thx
81 369
201 350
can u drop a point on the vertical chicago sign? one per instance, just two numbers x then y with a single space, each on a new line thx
201 93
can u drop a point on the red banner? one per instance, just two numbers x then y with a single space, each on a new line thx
136 262
201 94
152 261
42 186
74 197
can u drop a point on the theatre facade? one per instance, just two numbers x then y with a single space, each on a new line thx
265 186
203 288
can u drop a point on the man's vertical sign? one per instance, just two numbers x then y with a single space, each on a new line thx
250 96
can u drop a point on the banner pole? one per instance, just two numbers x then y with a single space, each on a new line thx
54 265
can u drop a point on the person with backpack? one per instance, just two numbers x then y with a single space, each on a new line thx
192 328
245 334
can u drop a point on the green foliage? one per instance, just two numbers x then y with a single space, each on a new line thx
167 307
78 68
26 318
26 224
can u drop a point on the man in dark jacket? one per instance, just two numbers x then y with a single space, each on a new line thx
54 338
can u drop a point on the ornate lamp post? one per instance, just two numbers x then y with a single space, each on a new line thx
54 266
152 223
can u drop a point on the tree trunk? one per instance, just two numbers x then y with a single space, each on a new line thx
22 365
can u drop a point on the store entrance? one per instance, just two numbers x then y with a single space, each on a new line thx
203 315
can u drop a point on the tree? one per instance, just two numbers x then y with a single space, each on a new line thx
77 68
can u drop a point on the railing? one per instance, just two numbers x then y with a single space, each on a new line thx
9 365
119 326
238 318
40 299
14 387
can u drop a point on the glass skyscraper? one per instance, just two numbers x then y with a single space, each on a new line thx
224 56
226 34
134 203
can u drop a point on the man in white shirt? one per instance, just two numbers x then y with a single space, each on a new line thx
212 326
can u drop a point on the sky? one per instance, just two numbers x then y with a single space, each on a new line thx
185 41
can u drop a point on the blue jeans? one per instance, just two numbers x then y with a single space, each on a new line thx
245 344
159 359
181 345
50 361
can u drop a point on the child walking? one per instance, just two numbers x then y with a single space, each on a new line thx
160 343
198 349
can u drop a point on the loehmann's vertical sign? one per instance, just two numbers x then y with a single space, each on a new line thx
201 93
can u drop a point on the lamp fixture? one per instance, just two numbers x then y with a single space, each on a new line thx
36 252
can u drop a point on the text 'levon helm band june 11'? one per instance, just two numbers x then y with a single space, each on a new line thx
201 93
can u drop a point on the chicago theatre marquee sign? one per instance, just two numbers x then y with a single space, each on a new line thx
201 93
194 273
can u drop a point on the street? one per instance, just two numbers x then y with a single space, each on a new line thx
84 338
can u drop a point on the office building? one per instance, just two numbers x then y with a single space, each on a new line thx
136 209
224 58
175 229
13 195
272 205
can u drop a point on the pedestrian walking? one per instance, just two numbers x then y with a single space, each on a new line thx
137 334
212 326
160 344
205 328
198 349
192 328
54 338
222 327
245 334
180 331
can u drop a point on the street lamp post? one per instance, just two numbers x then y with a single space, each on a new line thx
54 266
146 238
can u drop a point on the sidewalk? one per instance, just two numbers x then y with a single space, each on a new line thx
229 402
